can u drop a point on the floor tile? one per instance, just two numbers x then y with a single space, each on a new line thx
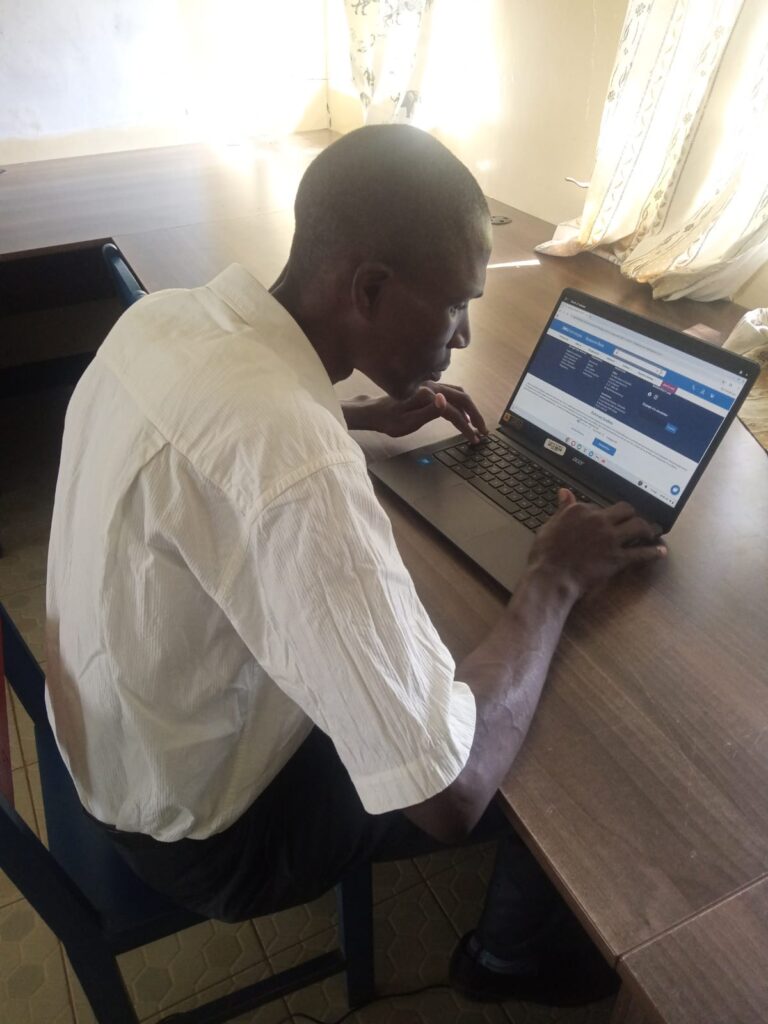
413 942
26 733
23 804
82 1012
528 1013
271 1013
326 999
175 968
13 732
433 863
289 927
36 792
460 888
394 877
26 497
23 564
438 1005
33 987
27 609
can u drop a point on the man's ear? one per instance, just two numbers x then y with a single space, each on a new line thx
368 283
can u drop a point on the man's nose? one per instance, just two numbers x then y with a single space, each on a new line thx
462 335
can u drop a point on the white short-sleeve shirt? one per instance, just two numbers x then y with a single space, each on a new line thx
221 576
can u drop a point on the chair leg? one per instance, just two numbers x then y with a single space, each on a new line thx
354 896
103 984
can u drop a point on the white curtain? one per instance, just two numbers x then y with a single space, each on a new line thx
388 46
679 193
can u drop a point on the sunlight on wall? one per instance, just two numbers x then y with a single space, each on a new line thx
462 83
344 107
89 76
461 88
254 64
514 264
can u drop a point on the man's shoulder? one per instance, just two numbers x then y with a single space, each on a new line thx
243 400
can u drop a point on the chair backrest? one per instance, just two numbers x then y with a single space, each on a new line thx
25 860
26 677
128 287
81 869
6 779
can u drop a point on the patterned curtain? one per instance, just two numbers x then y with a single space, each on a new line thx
679 193
388 45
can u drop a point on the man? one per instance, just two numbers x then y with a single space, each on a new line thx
243 683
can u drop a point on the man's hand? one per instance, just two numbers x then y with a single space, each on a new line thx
587 544
399 417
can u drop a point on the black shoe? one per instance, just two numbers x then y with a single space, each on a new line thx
551 981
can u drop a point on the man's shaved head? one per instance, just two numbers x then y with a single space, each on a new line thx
386 193
391 244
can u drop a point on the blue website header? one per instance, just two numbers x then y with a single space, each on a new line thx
670 380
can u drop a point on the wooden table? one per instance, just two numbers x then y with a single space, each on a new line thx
643 785
711 970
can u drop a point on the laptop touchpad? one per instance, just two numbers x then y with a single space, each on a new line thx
503 552
459 511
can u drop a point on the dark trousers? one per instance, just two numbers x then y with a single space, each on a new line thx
307 829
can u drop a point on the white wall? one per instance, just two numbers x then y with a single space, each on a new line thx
88 76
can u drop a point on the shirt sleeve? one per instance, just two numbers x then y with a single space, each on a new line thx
328 609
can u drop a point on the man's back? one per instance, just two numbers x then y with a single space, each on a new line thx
176 438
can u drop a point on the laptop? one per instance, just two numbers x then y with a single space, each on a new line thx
611 405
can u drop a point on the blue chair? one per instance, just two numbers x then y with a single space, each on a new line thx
128 288
98 907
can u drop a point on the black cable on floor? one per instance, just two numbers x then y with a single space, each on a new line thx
300 1015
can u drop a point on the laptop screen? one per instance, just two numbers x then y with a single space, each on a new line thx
623 399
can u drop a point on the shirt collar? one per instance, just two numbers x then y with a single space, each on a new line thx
276 329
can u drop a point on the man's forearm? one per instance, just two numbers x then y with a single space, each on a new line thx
506 673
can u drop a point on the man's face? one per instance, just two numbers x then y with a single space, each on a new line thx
421 321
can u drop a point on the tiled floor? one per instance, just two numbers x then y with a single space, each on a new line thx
421 908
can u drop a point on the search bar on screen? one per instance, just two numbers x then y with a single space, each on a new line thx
642 363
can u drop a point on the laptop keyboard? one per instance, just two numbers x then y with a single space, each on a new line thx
516 483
